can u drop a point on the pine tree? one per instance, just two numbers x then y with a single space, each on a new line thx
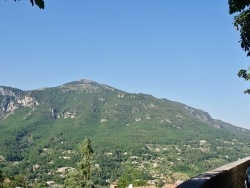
1 179
82 177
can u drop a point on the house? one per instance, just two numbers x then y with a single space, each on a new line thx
50 182
6 180
36 166
146 186
114 185
169 185
65 169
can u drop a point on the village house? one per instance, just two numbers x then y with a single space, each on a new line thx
50 183
114 185
65 169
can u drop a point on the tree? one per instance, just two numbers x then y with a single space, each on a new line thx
86 163
242 23
41 185
1 179
131 176
39 3
82 178
18 181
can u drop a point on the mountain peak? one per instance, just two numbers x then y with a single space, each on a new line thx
85 85
81 81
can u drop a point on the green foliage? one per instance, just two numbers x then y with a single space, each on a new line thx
15 181
41 185
39 3
86 164
73 180
82 177
242 23
131 176
237 6
1 179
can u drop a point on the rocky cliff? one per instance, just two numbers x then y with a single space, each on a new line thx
12 99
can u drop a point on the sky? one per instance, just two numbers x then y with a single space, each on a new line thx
184 51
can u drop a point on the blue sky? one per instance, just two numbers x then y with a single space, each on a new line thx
185 51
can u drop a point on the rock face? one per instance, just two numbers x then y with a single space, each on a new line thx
8 105
12 99
27 101
63 114
200 114
5 91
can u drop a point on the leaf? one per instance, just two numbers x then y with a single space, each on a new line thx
40 3
247 91
32 2
237 5
242 73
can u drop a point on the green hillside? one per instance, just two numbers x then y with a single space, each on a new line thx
167 140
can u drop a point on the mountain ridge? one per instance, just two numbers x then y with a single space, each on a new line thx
90 86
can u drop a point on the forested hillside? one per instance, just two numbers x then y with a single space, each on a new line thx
40 129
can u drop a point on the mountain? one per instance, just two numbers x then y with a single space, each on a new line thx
40 130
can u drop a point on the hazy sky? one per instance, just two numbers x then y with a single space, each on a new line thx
185 51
